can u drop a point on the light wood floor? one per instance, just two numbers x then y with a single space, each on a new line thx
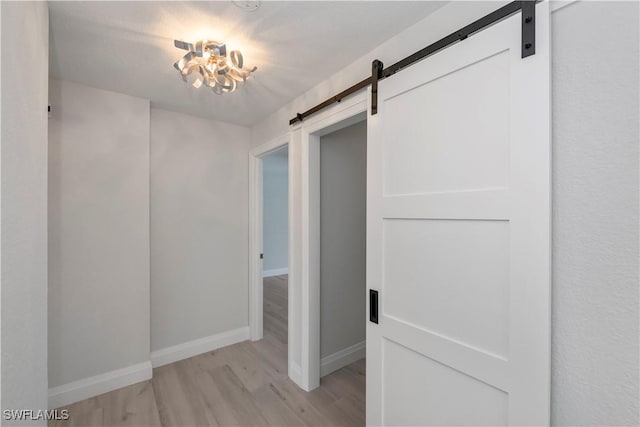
240 385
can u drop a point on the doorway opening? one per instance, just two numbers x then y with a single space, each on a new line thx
272 156
275 247
343 228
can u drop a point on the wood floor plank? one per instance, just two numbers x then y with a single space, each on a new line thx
273 406
238 397
295 399
91 418
353 408
223 412
245 384
179 402
325 402
83 413
130 406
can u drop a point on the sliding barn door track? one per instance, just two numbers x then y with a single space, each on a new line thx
378 72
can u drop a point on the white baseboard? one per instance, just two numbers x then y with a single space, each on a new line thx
199 346
342 358
275 272
89 387
295 373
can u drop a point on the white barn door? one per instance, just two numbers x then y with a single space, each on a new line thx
458 235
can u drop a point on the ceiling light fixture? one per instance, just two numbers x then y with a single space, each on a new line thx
206 64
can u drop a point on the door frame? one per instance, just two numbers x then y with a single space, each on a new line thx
308 133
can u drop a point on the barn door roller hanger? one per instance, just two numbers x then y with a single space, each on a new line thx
378 72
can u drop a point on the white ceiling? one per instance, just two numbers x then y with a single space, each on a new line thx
128 47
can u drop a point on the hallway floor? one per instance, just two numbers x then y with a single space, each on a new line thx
241 385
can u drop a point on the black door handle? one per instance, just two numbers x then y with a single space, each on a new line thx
373 306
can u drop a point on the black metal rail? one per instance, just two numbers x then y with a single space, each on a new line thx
379 73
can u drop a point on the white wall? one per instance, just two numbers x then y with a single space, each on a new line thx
25 39
199 228
275 241
595 258
98 232
343 238
147 238
595 216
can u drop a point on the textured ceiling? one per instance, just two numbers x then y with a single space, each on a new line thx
128 47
